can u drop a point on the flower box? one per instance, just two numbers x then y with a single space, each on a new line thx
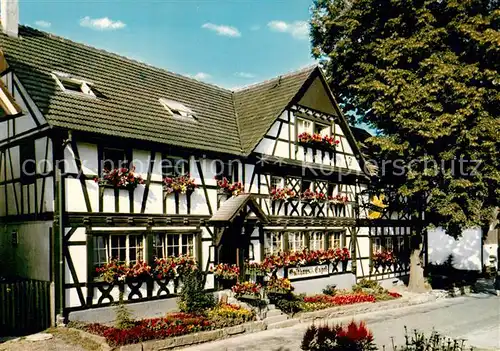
120 178
179 185
317 141
233 189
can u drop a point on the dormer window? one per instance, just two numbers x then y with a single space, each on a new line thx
72 85
176 109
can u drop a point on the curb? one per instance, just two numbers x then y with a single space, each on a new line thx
257 326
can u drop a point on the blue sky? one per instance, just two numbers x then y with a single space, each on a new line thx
228 43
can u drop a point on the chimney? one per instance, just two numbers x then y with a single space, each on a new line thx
10 17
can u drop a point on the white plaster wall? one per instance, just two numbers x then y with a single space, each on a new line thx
466 250
30 258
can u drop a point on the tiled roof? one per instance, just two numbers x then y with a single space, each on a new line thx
257 106
230 122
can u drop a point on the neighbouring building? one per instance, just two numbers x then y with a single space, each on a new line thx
70 111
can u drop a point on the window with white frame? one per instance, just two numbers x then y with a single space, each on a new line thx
377 244
273 243
317 241
177 109
100 250
126 248
69 84
400 243
174 166
322 129
296 241
159 246
179 244
336 240
277 182
304 126
389 244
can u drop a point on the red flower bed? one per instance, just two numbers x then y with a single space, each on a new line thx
340 299
157 328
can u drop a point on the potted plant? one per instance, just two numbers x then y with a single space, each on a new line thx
281 286
226 274
112 272
246 290
383 259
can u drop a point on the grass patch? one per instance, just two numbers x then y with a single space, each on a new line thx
73 337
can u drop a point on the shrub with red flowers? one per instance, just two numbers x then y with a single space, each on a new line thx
226 271
181 184
383 258
394 294
338 199
120 178
353 337
233 189
317 141
246 288
282 194
172 267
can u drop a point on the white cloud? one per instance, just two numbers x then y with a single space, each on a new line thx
201 76
101 23
297 29
227 31
43 24
244 75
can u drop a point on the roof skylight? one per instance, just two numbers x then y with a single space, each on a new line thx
176 109
73 85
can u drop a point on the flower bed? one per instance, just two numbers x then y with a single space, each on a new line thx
173 324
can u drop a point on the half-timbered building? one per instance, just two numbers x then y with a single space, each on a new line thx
70 111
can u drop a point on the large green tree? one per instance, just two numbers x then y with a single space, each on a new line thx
426 74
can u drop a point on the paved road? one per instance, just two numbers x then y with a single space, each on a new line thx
475 318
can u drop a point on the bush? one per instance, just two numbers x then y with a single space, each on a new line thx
330 290
193 298
354 337
287 303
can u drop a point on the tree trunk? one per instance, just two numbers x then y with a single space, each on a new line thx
417 281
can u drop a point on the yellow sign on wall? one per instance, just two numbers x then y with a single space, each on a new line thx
377 202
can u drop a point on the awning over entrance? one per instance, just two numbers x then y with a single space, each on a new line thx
233 207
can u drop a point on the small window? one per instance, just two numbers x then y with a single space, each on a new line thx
119 247
306 184
316 241
276 182
274 243
180 244
176 109
322 129
304 126
159 246
72 85
377 244
28 162
100 250
296 241
336 240
114 158
389 244
175 167
135 249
